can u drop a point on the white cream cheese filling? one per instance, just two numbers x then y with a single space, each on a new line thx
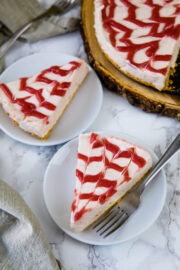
158 80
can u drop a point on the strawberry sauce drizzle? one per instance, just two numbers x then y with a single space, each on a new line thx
99 179
27 108
58 89
114 28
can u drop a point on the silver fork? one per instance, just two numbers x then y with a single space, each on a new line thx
115 216
60 6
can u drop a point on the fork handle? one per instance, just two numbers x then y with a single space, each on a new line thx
170 152
5 47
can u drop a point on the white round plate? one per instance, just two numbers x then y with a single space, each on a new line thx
59 184
80 114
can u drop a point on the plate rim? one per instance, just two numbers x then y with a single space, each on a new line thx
113 242
40 142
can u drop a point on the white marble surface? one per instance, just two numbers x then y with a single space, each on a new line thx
23 167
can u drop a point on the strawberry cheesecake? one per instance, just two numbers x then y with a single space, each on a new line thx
36 103
107 168
140 37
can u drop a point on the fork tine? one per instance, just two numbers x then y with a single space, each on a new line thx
63 4
111 216
103 217
117 218
121 222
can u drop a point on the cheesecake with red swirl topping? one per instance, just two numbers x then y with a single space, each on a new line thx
107 168
140 37
36 103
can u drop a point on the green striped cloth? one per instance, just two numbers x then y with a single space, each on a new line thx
15 13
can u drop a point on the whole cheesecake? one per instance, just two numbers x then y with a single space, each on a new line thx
107 168
36 103
140 37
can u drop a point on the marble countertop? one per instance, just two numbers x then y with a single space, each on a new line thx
23 167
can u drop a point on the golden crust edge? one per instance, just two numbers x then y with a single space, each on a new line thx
133 77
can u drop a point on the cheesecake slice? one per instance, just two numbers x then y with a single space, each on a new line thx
140 37
107 168
36 103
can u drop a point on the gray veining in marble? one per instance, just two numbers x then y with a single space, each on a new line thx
23 167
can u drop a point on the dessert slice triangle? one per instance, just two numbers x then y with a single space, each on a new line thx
36 103
107 168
